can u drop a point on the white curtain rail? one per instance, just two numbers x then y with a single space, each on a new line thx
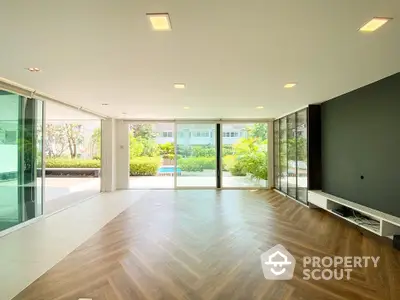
16 88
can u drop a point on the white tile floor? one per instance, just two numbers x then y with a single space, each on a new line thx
29 252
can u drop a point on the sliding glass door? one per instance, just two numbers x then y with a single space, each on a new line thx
244 155
21 144
199 154
196 155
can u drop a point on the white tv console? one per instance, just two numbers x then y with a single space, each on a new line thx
388 225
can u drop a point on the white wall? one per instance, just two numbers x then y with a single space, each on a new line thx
108 156
122 153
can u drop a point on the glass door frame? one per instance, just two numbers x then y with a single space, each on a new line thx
217 141
219 145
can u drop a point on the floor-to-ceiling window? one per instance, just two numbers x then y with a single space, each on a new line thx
301 128
152 155
196 155
21 124
283 162
276 155
183 154
244 155
290 154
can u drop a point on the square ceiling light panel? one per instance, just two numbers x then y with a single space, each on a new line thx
374 24
290 85
160 22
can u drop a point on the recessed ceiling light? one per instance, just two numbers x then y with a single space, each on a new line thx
289 85
374 24
186 107
33 69
160 22
104 104
179 85
259 107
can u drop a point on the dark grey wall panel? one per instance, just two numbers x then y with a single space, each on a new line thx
314 147
361 139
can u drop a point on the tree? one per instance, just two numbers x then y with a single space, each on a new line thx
96 141
74 137
55 143
135 147
144 131
258 131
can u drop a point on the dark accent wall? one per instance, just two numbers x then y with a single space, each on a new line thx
360 144
314 147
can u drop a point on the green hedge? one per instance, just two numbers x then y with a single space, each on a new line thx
144 166
72 163
253 163
197 164
191 164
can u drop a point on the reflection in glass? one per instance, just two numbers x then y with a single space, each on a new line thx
283 154
291 153
301 128
276 155
20 152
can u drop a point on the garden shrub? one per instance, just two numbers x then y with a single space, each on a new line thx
227 162
207 162
72 163
143 147
228 150
144 166
239 168
254 163
190 164
197 164
203 151
167 150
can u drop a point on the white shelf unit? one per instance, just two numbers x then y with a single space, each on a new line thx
388 225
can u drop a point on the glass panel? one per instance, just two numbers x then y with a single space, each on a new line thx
196 150
276 155
291 153
9 168
283 154
20 146
244 156
27 181
301 127
152 155
39 157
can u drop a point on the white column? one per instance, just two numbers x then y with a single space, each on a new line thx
122 153
108 155
271 173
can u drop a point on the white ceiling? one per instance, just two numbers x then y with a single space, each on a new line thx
233 55
57 112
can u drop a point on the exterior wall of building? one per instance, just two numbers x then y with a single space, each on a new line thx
195 134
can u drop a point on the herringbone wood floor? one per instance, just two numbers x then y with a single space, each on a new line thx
207 245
